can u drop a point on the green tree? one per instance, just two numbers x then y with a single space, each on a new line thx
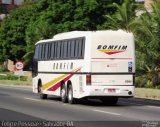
12 32
36 20
125 14
63 16
147 29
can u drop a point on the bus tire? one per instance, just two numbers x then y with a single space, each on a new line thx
63 94
70 97
42 96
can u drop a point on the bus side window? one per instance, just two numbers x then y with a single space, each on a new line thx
36 52
46 51
83 48
65 50
53 50
40 52
58 50
72 48
49 51
79 47
43 52
61 50
35 63
76 48
69 49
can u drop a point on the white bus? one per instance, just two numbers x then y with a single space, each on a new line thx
85 64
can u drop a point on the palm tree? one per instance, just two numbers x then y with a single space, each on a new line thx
123 17
146 29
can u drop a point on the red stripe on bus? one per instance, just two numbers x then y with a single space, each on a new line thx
57 85
115 58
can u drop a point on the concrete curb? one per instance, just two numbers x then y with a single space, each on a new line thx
155 99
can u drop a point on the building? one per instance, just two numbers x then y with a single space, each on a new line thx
7 5
147 5
11 2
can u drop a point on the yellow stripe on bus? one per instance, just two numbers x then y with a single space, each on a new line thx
49 84
104 50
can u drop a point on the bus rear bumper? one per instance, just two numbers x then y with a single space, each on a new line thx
118 91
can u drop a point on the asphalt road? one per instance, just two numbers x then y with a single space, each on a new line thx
20 104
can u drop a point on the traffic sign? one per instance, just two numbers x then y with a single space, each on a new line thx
19 65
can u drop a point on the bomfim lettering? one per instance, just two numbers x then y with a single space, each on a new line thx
112 49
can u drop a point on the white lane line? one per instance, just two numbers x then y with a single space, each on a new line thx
111 113
32 99
153 107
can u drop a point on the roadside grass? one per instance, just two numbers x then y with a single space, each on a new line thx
16 82
8 78
147 93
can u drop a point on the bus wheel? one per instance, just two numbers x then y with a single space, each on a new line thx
40 91
63 94
71 100
110 101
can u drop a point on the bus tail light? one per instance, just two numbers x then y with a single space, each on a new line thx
88 79
133 80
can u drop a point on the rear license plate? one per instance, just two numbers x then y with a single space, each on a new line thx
117 91
109 90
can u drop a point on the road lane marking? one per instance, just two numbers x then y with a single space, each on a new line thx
153 107
32 99
111 113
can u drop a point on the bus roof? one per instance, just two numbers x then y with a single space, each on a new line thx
75 34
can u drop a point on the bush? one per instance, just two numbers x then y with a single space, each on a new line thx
2 69
149 84
3 77
12 77
23 78
158 87
144 81
8 77
141 81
